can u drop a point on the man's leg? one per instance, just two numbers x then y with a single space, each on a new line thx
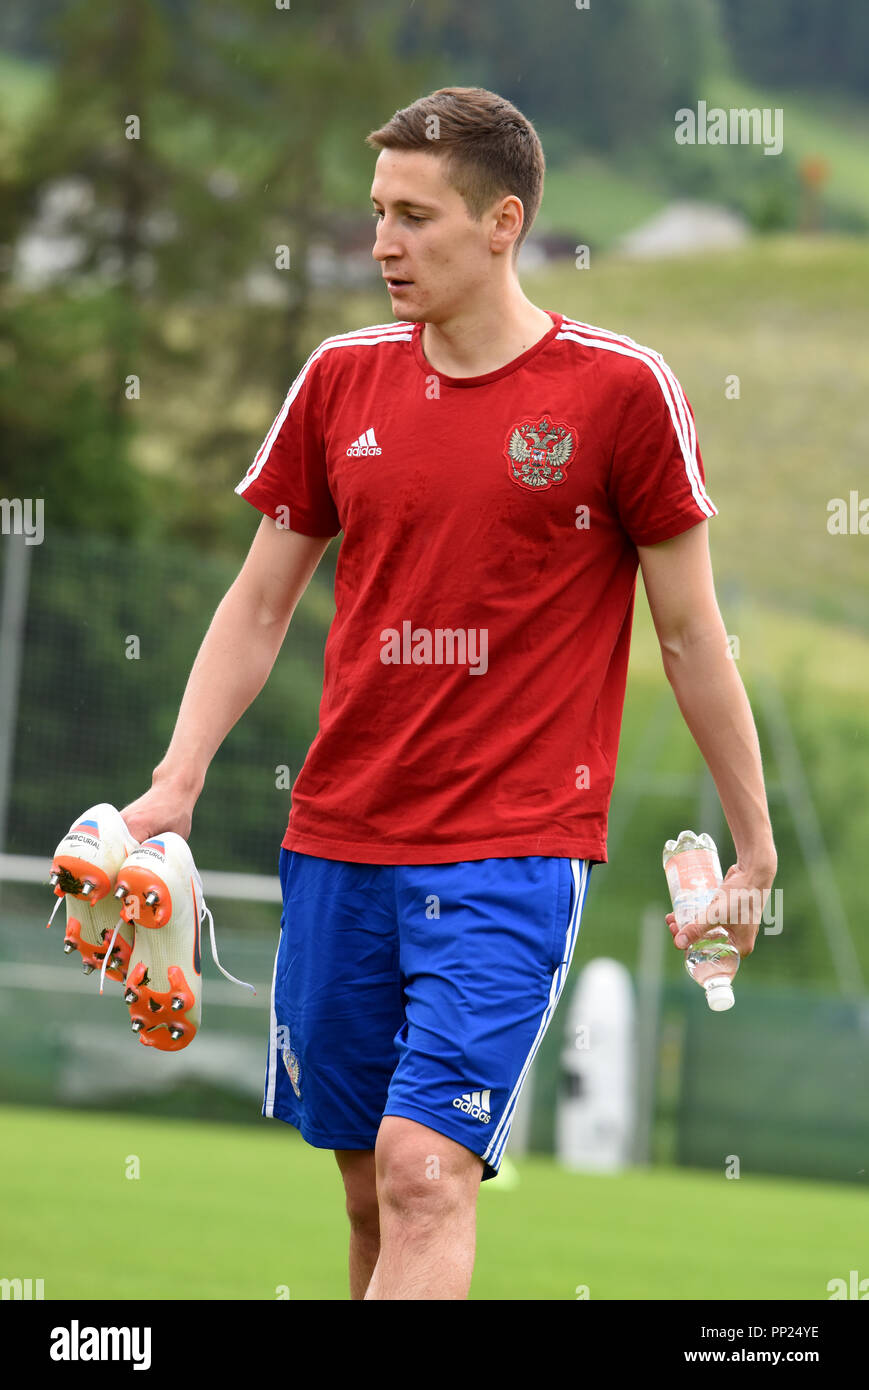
337 1007
427 1189
360 1184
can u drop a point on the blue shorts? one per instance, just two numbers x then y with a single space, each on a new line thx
421 990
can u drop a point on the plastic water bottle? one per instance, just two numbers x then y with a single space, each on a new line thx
693 876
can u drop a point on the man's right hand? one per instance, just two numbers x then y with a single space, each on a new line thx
162 808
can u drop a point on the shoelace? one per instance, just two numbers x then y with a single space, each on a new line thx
107 957
54 910
204 911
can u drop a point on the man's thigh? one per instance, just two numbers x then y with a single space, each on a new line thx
337 1001
485 950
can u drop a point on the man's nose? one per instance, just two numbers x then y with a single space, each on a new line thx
385 246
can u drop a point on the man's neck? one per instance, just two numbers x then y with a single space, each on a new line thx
485 340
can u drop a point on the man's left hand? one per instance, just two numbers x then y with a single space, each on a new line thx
738 905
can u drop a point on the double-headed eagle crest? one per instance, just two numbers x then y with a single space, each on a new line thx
538 452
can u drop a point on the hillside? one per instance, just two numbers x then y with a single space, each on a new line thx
785 317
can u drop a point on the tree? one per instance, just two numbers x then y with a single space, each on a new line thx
196 139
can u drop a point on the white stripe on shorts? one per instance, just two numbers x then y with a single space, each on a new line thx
579 869
272 1064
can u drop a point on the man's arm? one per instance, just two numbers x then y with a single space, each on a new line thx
231 668
678 578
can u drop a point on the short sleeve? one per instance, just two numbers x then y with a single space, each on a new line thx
289 470
657 482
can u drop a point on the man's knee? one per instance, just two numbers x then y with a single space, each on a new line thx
360 1184
422 1175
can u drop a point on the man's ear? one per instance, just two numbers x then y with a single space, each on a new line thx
509 221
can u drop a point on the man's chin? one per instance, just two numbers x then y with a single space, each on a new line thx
407 313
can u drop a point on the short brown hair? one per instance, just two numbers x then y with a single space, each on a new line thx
490 149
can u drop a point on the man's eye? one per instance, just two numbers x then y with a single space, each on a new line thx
409 215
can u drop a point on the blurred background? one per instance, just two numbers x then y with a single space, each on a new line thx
184 216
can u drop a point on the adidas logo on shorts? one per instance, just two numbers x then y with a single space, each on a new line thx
365 444
475 1104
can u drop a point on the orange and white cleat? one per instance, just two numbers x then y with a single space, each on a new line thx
83 871
162 899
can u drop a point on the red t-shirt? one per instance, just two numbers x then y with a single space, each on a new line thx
475 668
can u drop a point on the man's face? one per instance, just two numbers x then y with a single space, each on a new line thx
434 258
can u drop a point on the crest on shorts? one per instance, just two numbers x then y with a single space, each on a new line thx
294 1070
539 451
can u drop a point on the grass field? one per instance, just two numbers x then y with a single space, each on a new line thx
223 1212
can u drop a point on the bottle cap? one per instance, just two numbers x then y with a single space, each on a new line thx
719 994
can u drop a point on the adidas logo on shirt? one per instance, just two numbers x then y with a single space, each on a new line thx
475 1104
365 444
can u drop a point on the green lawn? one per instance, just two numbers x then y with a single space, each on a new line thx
233 1212
828 125
597 199
783 316
596 202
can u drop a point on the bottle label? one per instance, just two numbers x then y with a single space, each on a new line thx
693 871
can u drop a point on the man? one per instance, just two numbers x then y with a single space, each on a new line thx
498 471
